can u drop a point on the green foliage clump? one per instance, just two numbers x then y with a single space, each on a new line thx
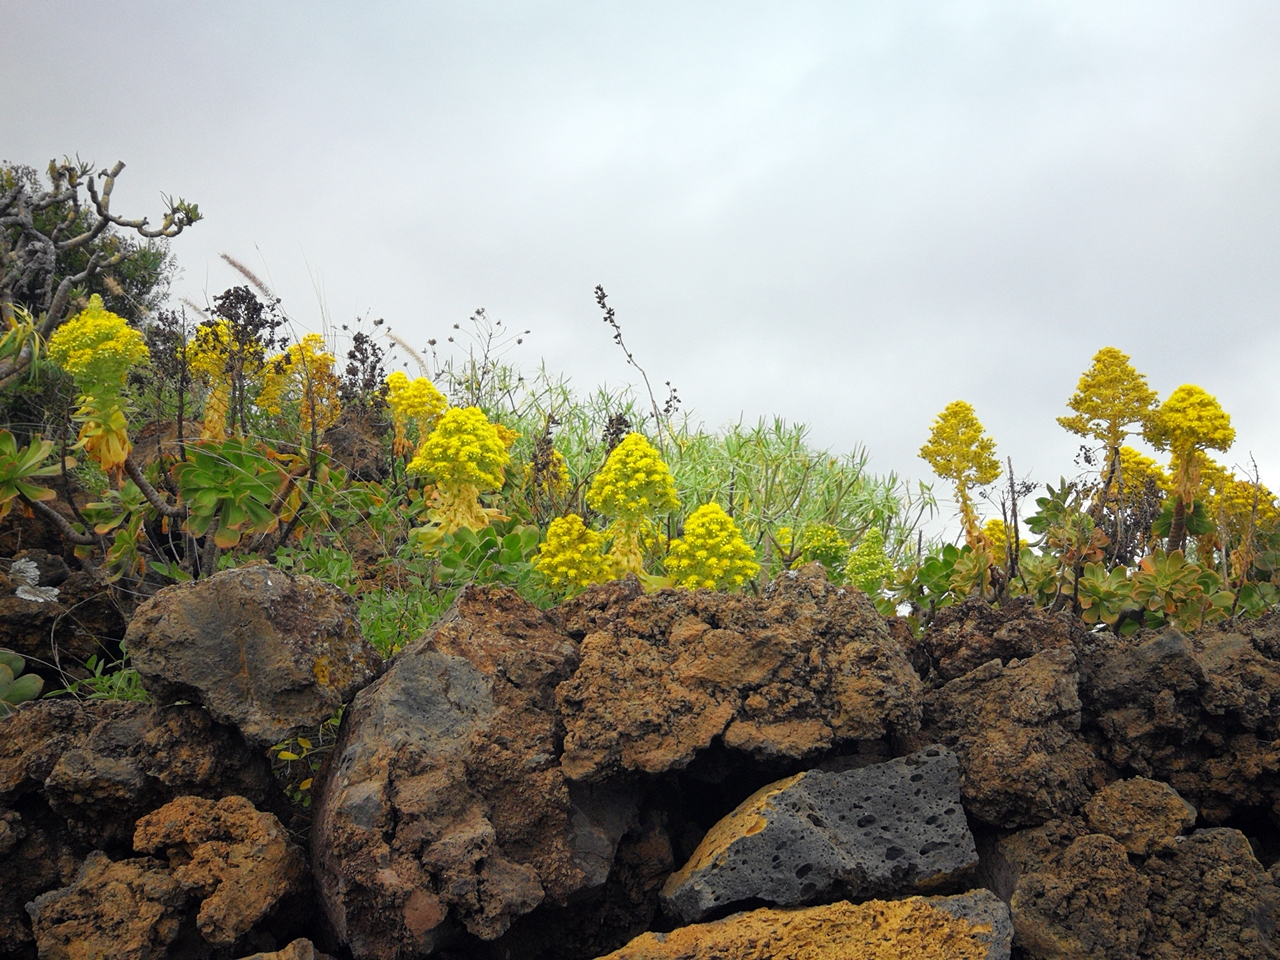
867 567
15 688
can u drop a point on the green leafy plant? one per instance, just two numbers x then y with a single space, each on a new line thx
106 681
15 688
233 483
19 466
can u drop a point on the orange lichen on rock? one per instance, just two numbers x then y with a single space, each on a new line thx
917 927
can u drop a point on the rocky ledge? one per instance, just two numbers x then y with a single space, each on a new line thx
675 774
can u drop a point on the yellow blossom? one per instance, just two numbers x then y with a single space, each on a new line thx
416 400
632 487
464 455
959 450
98 347
573 555
712 553
1188 423
1111 397
302 376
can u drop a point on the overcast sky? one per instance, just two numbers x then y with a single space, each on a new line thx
846 214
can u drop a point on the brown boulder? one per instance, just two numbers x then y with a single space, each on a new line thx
1091 904
273 654
1202 896
965 636
1200 713
1016 731
126 910
300 949
445 807
1142 814
76 775
800 669
83 621
237 861
1211 899
972 926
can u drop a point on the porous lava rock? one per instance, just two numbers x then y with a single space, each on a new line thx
802 668
1084 895
971 926
127 909
1142 814
445 808
235 860
1016 731
966 635
77 775
1201 713
886 828
1210 898
300 949
1092 902
272 654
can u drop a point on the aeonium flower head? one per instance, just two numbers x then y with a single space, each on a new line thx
711 553
573 555
634 482
417 400
97 347
463 456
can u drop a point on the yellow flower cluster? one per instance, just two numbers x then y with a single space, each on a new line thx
1111 397
633 483
997 537
416 400
464 448
711 553
302 375
573 556
1231 500
632 486
209 360
463 455
98 347
868 567
1188 423
959 450
1135 470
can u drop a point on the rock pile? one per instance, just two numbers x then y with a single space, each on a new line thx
676 774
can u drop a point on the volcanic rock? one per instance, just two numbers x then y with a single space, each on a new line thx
445 807
127 910
966 635
82 621
77 775
1016 731
1142 814
1092 903
805 667
1202 896
972 926
236 860
273 654
300 949
880 829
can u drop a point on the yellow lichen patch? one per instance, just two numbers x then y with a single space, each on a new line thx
750 816
321 671
877 930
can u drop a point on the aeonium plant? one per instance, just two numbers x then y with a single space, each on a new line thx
97 347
